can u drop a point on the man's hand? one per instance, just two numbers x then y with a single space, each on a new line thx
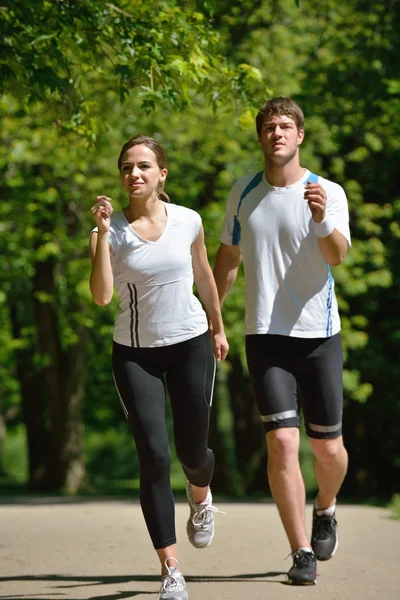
315 196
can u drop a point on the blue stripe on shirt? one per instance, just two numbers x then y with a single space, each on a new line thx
312 178
236 224
329 303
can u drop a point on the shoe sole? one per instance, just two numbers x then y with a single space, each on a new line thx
294 582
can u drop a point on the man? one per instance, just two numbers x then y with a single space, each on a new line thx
289 226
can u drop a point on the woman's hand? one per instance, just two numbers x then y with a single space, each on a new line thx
102 211
220 345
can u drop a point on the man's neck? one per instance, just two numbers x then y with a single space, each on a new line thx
283 175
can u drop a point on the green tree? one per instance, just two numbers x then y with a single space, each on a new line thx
65 66
72 54
338 61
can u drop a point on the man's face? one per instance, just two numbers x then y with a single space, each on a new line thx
280 139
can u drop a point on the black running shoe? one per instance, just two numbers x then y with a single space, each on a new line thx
304 570
324 539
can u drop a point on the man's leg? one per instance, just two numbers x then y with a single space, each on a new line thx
330 469
274 383
287 486
322 388
286 483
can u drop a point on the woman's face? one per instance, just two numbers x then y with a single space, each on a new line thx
140 173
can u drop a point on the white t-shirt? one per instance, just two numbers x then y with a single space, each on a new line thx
289 287
154 282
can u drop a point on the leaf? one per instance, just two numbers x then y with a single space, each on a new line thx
44 37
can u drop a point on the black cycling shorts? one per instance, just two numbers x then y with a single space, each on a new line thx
287 373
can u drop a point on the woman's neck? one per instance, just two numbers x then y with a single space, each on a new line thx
138 207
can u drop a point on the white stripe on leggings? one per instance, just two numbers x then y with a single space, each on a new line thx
213 382
120 399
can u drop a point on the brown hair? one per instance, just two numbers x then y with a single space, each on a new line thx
280 106
159 153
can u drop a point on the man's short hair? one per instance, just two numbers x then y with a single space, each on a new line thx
277 107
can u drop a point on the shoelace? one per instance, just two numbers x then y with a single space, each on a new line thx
202 516
172 581
301 558
324 526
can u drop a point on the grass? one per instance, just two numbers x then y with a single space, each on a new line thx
394 507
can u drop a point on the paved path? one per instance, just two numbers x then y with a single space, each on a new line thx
99 550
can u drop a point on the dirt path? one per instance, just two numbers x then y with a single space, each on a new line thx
93 550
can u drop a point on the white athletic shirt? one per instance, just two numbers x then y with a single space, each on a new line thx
154 281
289 287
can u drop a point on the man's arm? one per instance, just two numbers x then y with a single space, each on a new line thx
226 268
331 243
333 248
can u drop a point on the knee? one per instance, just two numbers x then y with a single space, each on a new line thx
327 451
283 443
155 461
192 459
200 473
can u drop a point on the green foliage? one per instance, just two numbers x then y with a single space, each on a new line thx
394 506
79 79
14 463
78 56
110 456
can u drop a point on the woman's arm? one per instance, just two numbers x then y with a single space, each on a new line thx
205 283
101 277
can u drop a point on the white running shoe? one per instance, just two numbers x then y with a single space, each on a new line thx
200 525
173 585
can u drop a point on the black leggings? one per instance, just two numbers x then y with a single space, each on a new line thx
189 369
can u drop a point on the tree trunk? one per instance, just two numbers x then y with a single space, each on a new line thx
63 376
32 401
51 394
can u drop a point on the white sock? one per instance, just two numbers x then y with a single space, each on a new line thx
325 511
305 549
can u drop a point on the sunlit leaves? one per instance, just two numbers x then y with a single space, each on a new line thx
160 51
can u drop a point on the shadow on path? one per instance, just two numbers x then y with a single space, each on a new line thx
87 581
117 596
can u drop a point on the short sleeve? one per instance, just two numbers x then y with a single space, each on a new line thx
229 234
197 221
189 217
337 208
112 238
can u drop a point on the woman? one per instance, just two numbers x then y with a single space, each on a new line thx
152 251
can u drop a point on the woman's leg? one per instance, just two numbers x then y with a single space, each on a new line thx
141 390
190 383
